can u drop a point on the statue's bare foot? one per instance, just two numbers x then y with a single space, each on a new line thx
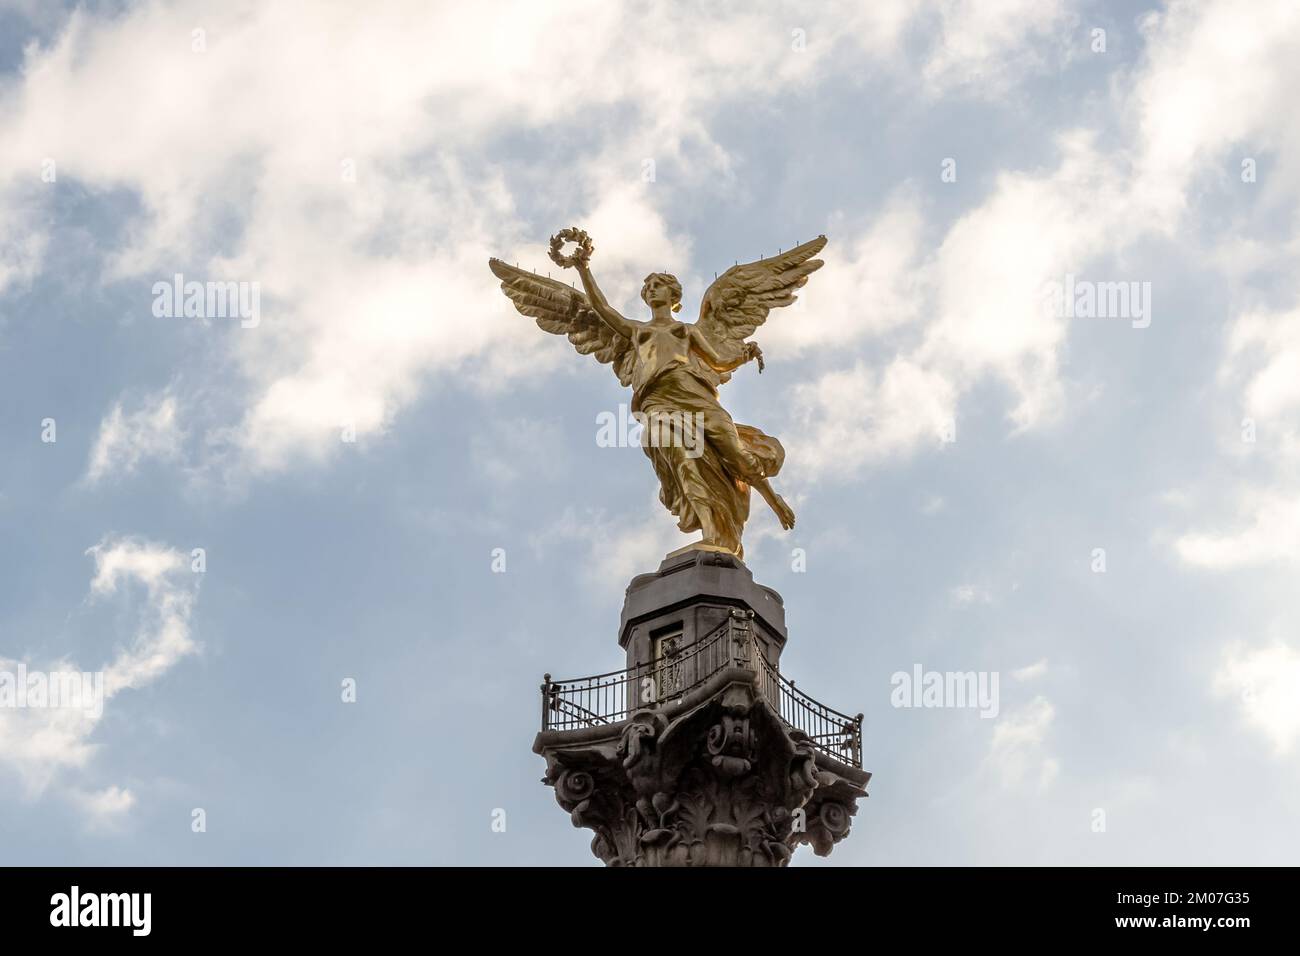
783 512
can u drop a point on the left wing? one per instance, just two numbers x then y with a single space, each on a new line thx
561 310
739 300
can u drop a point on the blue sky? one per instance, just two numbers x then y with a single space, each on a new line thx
362 169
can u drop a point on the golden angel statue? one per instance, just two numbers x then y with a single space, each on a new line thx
674 369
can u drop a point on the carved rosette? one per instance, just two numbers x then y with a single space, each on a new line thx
721 783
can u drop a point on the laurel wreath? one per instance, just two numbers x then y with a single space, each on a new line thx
581 254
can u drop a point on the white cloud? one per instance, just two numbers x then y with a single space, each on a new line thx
152 431
1260 375
1212 76
1266 530
1220 76
1266 683
40 744
1220 90
1264 357
106 807
976 310
22 245
871 284
1031 671
993 43
855 417
994 265
1216 76
164 636
1018 752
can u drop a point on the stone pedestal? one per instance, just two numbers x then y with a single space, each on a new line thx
700 753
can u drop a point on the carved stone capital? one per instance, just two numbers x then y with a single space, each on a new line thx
721 781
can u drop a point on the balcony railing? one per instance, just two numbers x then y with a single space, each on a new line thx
610 698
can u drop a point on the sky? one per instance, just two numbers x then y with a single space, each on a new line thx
271 532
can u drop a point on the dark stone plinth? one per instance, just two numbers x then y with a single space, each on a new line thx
702 769
695 590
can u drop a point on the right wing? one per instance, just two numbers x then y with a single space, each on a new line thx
562 310
740 299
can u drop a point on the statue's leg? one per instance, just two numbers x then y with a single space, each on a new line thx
720 432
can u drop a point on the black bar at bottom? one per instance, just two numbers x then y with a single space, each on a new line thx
1224 905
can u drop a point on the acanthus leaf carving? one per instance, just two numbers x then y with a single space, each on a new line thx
717 786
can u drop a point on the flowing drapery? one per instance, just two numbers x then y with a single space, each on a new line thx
706 466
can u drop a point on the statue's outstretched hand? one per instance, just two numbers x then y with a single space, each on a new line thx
754 353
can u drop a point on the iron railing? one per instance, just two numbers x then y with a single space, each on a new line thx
835 734
610 698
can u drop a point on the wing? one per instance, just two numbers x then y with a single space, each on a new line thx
739 300
562 310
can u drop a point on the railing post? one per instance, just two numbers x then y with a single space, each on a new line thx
741 636
546 700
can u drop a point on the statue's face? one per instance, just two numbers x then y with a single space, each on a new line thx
657 291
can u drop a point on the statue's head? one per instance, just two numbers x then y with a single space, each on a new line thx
662 288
